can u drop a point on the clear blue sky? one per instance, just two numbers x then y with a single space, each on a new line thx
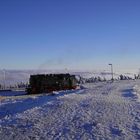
77 34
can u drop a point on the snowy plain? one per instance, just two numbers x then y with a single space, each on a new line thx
12 77
100 111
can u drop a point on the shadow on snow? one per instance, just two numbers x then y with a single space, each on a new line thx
21 105
128 93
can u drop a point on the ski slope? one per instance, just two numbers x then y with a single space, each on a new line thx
101 111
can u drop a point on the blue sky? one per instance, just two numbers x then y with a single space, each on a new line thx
73 34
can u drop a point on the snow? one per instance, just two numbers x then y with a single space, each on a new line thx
13 93
100 111
12 77
136 92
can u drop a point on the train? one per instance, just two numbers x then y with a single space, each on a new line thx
47 83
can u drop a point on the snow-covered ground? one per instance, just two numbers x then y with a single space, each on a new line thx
101 111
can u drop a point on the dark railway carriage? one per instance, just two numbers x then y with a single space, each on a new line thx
51 82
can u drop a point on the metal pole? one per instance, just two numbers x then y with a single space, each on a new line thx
112 71
4 75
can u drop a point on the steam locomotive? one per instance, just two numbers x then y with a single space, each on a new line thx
51 82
